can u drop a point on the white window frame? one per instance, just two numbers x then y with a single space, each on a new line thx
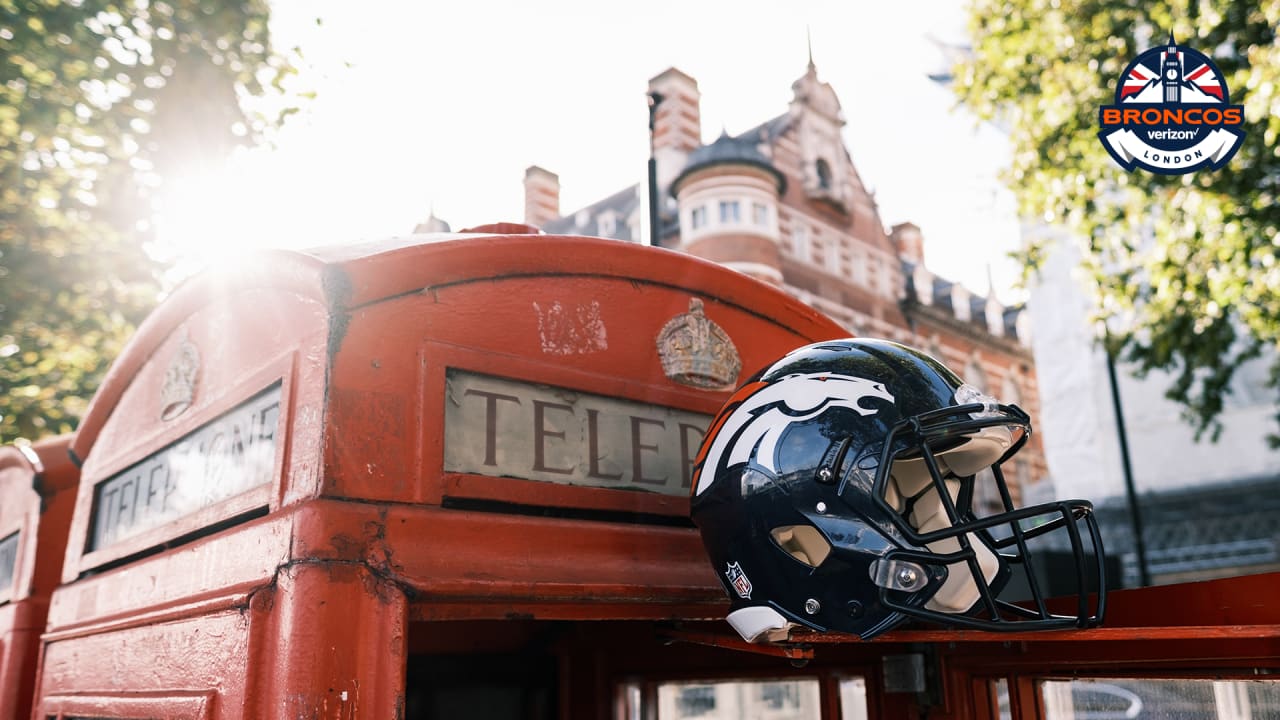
726 206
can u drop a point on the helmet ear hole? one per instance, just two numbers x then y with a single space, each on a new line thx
802 542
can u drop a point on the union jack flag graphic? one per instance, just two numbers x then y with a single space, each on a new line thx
1142 84
1136 81
1206 80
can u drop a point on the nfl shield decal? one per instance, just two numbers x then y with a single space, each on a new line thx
738 580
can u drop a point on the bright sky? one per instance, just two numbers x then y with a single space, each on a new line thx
441 106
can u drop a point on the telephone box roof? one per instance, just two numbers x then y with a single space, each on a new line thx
343 278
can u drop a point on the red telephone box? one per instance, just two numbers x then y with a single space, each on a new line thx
37 494
306 481
448 477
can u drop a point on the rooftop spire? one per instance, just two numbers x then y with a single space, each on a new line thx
808 38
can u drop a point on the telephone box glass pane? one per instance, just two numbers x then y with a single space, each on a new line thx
853 699
485 687
8 561
221 459
1000 691
1182 699
740 699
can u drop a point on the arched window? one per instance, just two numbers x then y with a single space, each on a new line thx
974 374
824 174
1011 390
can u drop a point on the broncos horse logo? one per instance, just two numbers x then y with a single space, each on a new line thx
759 412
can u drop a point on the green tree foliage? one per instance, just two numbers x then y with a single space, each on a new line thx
98 99
1184 267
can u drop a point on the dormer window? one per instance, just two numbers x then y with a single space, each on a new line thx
823 184
607 224
824 174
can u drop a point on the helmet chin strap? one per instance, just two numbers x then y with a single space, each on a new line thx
910 478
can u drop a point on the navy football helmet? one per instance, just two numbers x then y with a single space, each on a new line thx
836 491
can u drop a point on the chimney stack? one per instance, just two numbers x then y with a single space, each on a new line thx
909 241
677 127
541 196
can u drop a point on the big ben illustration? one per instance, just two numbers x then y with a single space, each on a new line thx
1172 73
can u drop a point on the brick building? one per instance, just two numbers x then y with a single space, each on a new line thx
783 202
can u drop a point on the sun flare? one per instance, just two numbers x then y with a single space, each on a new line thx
214 219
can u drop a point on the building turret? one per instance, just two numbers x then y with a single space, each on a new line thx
815 111
727 196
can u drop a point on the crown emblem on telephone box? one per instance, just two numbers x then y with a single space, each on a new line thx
179 389
697 352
